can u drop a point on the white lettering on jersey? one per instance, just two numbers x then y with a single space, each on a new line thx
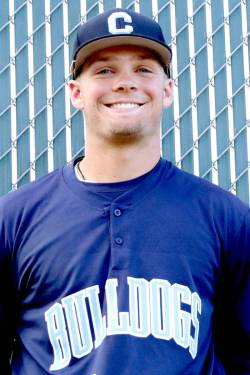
56 326
155 307
196 308
99 322
117 323
112 23
182 319
161 311
78 323
139 307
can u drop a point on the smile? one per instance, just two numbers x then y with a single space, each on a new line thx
124 105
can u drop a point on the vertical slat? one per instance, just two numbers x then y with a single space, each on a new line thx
49 93
200 103
212 110
155 16
13 96
162 14
220 90
177 138
66 77
101 6
58 94
238 99
185 104
5 100
118 3
40 88
76 14
246 67
83 11
193 87
22 93
137 6
31 91
229 96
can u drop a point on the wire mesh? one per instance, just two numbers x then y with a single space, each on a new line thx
205 132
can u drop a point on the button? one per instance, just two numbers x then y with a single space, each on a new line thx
119 241
117 212
103 212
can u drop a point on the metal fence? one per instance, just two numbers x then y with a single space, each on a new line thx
206 132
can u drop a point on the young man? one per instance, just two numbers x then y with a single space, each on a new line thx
120 263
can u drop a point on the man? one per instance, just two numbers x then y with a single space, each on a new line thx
120 263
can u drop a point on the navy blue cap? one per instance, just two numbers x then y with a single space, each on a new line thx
115 27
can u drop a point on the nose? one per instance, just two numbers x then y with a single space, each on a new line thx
125 82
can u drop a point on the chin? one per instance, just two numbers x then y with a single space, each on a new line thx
125 135
126 129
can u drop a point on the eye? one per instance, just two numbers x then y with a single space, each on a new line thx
144 69
104 71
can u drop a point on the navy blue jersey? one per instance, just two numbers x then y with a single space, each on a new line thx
145 277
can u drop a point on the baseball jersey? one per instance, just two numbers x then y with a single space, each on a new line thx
149 276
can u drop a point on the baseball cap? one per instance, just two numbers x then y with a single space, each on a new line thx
115 27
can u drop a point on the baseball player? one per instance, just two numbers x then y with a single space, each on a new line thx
119 263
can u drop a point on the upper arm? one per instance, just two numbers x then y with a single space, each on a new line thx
232 307
7 301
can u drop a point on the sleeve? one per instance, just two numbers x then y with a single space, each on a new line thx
232 305
6 300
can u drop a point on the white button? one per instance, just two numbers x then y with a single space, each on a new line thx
119 241
117 212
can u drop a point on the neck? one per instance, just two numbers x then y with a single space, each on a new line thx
119 163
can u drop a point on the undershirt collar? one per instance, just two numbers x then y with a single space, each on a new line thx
126 192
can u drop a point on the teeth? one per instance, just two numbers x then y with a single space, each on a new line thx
124 105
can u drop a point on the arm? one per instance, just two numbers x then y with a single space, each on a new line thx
6 302
232 311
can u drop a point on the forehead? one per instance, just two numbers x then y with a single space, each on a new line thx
117 52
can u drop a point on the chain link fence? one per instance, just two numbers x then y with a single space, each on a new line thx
206 131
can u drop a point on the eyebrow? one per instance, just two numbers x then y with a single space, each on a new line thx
112 57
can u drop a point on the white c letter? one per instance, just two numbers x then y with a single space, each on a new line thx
128 29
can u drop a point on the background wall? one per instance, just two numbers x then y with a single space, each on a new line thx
206 132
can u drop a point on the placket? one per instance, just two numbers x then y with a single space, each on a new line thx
119 237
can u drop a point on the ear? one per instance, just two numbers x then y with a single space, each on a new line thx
76 95
168 93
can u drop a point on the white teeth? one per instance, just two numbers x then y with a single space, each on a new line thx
124 105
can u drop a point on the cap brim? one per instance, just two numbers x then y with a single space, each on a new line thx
84 52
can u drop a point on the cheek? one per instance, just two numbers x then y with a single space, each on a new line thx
95 96
92 92
156 91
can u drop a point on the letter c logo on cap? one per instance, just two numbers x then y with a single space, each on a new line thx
127 29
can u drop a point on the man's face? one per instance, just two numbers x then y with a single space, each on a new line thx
122 91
